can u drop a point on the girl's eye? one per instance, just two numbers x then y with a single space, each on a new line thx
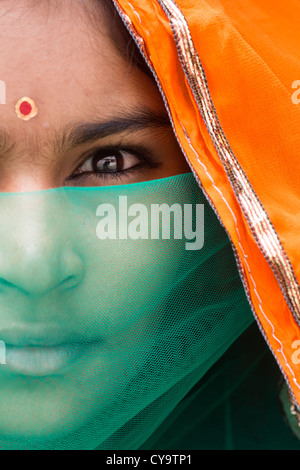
113 161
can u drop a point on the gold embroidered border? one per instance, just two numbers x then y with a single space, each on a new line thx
253 210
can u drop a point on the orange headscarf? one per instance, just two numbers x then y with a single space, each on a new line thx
229 72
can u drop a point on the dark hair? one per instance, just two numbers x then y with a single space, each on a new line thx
121 37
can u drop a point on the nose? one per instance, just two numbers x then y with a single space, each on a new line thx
36 249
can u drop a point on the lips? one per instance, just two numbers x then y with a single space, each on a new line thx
37 353
41 361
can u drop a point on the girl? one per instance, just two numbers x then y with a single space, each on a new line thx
142 231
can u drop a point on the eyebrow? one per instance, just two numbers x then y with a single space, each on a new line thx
74 135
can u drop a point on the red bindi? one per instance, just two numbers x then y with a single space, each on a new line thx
26 108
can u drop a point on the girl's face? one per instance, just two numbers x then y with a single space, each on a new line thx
100 122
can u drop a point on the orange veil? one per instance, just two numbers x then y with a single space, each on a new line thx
229 73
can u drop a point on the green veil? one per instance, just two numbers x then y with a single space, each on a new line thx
110 319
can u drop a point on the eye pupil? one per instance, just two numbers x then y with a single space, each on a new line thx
107 164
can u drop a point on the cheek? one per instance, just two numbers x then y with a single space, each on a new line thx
174 161
128 279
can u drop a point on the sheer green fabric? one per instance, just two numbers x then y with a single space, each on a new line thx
235 406
108 317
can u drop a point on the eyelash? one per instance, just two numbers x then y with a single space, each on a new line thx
147 160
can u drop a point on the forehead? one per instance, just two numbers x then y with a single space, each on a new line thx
55 56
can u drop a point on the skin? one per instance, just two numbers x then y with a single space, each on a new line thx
44 65
75 76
